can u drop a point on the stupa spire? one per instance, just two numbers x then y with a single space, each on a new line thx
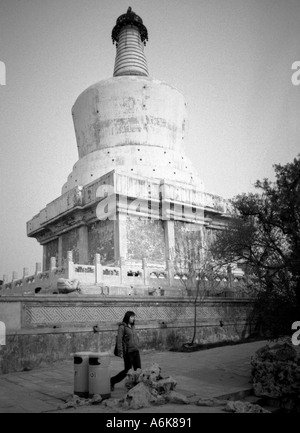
130 36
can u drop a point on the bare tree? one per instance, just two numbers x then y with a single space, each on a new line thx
199 274
264 235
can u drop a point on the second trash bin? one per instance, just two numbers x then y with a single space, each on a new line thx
81 374
99 374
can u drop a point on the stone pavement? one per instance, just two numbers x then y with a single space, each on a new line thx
215 372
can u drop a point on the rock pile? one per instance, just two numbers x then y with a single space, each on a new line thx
244 407
276 372
148 387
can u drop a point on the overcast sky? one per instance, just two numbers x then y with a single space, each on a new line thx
231 59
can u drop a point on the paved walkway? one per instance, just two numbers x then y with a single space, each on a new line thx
207 373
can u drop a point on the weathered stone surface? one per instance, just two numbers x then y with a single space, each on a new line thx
66 286
159 399
138 397
152 378
145 238
166 385
154 371
112 403
141 122
29 351
132 378
96 399
149 376
101 241
51 250
148 387
70 242
244 407
176 397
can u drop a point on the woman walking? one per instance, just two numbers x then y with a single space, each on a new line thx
127 342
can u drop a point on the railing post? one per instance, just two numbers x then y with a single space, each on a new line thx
229 274
70 265
98 269
38 268
25 274
13 280
170 271
123 270
145 271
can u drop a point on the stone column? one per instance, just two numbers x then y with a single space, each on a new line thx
123 270
98 269
83 245
38 270
45 258
120 237
60 252
25 275
70 265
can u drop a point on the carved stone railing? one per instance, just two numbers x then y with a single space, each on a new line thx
125 279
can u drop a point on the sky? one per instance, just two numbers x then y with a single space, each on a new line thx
232 60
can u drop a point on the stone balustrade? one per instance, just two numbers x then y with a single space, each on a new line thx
124 279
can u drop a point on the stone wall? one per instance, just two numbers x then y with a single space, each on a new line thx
187 234
70 242
50 329
101 241
145 239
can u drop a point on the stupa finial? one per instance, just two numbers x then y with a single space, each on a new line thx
130 18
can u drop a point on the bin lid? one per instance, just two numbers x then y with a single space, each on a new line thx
98 354
101 358
81 354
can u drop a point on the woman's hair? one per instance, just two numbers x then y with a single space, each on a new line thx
127 315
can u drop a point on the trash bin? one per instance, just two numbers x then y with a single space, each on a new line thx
99 374
81 374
